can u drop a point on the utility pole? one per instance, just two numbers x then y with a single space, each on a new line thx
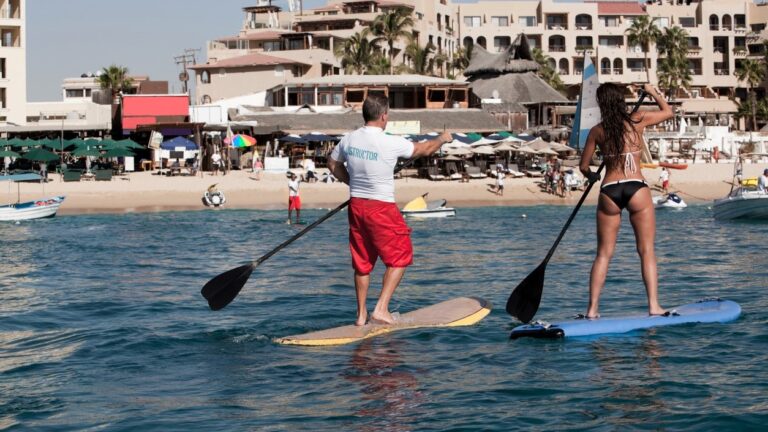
186 59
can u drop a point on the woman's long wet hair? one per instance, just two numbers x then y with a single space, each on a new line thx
615 119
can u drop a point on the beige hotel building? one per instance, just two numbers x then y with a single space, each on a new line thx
13 63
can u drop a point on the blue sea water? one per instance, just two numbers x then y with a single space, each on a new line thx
102 327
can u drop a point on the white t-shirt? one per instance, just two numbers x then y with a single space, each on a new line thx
499 178
216 159
293 187
664 176
762 183
371 156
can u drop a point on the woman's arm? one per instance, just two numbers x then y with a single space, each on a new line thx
654 117
589 150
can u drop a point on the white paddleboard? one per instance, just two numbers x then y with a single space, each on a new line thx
703 311
462 311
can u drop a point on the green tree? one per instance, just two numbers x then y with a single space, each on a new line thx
115 79
546 71
752 73
644 32
461 58
441 59
357 52
422 62
391 26
673 72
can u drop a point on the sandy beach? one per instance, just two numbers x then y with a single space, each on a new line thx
147 192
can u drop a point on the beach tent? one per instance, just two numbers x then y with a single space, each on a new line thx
178 143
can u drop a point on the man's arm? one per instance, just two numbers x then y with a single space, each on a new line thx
338 170
429 147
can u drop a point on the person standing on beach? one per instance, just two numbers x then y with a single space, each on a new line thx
294 201
664 179
216 161
365 159
500 182
620 138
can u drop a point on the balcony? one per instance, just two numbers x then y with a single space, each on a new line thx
740 51
581 48
583 26
722 72
557 26
557 48
694 71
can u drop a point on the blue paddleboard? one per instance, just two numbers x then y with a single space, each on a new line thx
703 311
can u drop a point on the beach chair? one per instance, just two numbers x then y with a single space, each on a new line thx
452 171
434 174
103 174
72 175
475 172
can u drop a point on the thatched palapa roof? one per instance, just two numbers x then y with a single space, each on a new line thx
522 88
516 58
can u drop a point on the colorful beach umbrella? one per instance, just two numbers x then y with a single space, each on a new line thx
240 141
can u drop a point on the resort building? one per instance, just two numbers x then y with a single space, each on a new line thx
13 62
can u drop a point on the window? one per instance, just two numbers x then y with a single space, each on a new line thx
74 93
687 22
3 100
501 42
87 92
472 21
279 70
661 22
2 68
528 21
610 21
636 65
610 41
205 77
500 21
272 46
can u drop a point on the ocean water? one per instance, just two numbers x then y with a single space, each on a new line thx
102 327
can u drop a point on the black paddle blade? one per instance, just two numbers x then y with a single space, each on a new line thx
525 298
222 289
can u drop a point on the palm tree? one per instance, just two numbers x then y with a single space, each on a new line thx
115 79
752 73
390 27
546 71
644 32
461 58
672 70
357 52
440 61
421 62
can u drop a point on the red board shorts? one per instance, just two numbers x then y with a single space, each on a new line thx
377 229
294 203
665 184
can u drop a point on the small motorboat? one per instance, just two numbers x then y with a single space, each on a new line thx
214 197
744 202
421 208
670 200
37 209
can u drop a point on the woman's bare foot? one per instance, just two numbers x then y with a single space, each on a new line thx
656 310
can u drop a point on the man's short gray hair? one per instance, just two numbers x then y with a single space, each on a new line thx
374 106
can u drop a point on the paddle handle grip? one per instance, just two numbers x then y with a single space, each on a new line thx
551 252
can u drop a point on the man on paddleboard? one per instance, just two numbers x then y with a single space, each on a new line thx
365 159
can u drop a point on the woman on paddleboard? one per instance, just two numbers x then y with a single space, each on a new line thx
619 136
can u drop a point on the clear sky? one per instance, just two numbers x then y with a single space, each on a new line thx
68 38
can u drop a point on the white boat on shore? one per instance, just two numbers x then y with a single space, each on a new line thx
421 208
37 209
670 201
742 203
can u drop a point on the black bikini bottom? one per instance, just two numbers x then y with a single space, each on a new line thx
620 192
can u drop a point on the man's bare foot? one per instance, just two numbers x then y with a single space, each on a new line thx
382 318
361 319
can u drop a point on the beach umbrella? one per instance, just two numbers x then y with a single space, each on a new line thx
53 144
499 136
485 150
512 138
484 141
547 151
26 143
86 151
16 142
240 141
464 138
40 155
525 149
505 146
107 144
129 143
451 157
74 142
9 153
465 151
177 142
118 152
318 136
293 138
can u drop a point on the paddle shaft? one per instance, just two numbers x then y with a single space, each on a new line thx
551 252
316 223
